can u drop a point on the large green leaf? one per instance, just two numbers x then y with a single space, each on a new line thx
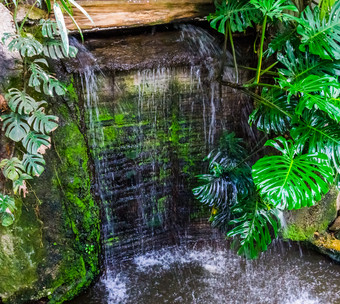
274 8
319 134
21 102
33 141
34 164
228 180
12 168
321 35
316 93
40 122
299 65
15 126
292 180
268 118
252 227
239 13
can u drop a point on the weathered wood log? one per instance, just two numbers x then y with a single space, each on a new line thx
124 14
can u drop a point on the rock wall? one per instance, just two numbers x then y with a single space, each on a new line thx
52 249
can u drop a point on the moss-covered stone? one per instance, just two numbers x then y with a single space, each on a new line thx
302 224
52 250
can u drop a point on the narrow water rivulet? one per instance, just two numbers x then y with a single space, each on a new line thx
153 111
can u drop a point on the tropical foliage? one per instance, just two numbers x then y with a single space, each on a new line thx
27 122
299 103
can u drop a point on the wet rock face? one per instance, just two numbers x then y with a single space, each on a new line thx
9 61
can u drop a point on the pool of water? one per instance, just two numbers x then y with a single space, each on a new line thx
286 274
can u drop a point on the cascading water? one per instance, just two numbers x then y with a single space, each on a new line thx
150 122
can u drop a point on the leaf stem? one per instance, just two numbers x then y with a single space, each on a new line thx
259 64
234 54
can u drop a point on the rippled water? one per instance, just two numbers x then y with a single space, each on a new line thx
286 274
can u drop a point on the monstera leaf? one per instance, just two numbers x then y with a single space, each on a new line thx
274 8
12 168
252 227
55 50
15 126
34 164
299 65
268 117
26 46
40 122
316 93
292 180
228 180
239 13
319 134
321 35
33 141
21 102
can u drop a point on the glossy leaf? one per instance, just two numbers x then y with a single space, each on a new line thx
252 227
239 13
292 180
274 8
319 134
321 35
268 118
54 49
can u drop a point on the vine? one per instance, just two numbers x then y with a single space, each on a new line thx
27 122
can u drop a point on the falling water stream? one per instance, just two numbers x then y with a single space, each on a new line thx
151 117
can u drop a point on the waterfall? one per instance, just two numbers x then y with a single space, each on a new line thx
149 129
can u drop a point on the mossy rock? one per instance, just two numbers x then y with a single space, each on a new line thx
304 223
52 250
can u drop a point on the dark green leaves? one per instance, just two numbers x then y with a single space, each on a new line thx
321 35
239 14
268 117
274 8
252 226
319 134
292 180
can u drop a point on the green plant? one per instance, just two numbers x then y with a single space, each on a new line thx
27 123
299 102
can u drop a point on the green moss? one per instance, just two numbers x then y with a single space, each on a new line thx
82 214
296 233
